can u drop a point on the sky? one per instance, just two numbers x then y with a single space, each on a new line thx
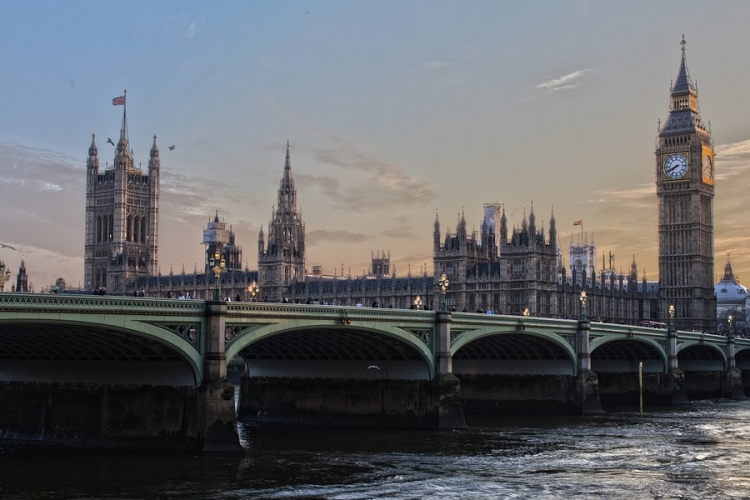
395 112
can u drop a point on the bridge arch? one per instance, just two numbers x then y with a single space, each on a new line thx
510 350
613 354
96 348
742 357
697 355
301 348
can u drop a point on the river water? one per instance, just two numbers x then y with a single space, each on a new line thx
696 452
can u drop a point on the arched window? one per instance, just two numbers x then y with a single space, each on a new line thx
111 228
99 229
129 229
517 268
143 229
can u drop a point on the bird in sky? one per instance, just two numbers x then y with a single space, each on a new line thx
109 140
171 148
3 245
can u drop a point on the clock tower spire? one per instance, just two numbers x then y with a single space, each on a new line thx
685 191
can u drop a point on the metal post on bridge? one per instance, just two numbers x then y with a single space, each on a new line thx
672 341
731 344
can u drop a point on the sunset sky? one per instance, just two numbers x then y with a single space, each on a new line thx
394 111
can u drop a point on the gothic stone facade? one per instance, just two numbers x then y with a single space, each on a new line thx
122 216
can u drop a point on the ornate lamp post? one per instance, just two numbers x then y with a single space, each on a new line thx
526 312
583 299
443 284
671 317
217 265
730 319
418 303
4 275
253 290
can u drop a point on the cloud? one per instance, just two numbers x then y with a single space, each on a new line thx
190 31
642 196
565 82
323 236
435 65
49 186
732 160
370 183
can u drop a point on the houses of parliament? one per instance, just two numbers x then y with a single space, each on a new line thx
515 268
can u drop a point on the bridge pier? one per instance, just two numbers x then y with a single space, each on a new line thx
733 377
446 386
676 378
586 393
215 412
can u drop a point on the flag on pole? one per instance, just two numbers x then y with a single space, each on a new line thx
578 222
118 101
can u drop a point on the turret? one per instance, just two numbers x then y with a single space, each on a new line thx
503 228
154 163
461 228
92 163
261 241
552 228
532 221
436 233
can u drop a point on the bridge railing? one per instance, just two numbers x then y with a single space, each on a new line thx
18 302
266 309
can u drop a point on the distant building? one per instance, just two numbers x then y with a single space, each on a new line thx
217 237
500 269
731 300
685 192
282 260
22 279
122 217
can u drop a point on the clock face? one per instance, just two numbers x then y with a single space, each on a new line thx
708 167
676 166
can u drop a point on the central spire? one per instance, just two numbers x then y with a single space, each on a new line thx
287 193
684 83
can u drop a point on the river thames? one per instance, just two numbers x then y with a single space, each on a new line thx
697 452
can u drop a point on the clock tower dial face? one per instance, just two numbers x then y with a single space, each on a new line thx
676 166
708 168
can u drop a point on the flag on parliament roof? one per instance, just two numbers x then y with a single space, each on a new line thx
578 222
118 101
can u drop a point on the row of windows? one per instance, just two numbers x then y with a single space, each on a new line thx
135 229
679 141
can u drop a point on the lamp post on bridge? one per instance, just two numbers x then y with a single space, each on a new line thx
583 299
443 284
217 265
418 303
4 275
730 319
671 317
253 290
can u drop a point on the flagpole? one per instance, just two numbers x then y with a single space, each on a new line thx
125 114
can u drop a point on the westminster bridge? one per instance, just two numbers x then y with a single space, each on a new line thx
118 371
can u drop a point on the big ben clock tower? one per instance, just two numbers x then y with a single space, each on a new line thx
685 189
